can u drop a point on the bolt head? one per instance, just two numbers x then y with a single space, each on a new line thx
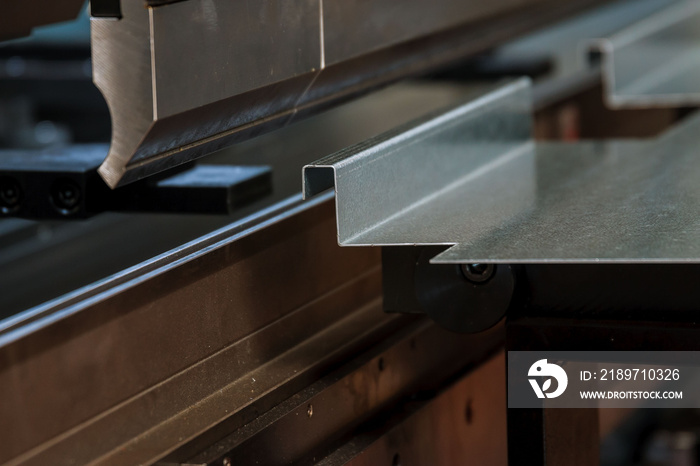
478 273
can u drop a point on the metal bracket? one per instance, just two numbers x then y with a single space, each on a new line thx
471 177
655 62
415 186
63 183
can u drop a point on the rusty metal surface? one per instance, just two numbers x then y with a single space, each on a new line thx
464 424
415 361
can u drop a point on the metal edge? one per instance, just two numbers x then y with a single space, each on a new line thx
324 174
606 47
31 320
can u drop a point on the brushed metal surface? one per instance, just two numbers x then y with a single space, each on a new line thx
229 48
351 29
407 187
470 177
614 202
186 79
122 71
